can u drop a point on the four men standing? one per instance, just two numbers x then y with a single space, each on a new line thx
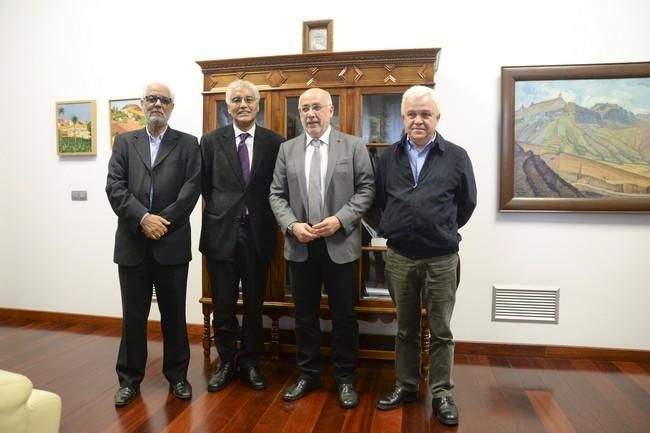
318 185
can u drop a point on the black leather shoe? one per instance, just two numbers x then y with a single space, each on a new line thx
222 377
182 390
396 398
299 389
252 378
125 395
348 397
446 410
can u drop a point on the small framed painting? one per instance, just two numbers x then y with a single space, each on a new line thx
125 115
76 128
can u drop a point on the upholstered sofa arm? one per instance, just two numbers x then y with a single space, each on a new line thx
27 410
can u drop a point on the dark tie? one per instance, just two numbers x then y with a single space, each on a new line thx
315 215
242 151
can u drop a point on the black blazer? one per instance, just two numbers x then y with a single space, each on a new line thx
176 177
225 192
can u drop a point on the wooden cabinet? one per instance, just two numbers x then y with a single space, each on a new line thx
366 88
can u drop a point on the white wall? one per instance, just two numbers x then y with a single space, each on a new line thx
56 255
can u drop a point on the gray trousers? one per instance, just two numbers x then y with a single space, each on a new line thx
433 282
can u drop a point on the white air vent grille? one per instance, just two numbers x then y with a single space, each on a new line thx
533 304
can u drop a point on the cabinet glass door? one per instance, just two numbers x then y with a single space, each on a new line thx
382 120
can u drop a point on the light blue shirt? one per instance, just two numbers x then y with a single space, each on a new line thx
417 157
154 147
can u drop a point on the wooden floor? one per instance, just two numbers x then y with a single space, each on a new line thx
494 394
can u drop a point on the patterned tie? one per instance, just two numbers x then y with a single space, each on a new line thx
242 151
315 215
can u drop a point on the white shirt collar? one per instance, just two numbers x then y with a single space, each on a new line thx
325 138
238 131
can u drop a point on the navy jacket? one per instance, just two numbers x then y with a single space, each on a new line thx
422 220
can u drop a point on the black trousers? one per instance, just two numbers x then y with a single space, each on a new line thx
307 279
248 267
136 284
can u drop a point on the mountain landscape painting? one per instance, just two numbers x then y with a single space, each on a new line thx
582 138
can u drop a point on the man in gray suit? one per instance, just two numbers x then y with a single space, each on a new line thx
153 183
322 184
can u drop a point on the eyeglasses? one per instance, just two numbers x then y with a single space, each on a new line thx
163 99
314 107
238 100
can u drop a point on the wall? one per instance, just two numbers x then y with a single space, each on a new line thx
56 255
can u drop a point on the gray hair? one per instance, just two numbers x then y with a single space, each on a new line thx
169 89
241 83
419 91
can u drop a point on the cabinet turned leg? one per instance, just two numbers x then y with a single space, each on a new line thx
275 338
426 345
206 334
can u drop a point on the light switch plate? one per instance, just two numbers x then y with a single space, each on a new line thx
79 195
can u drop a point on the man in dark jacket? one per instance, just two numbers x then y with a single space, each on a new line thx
239 234
426 190
154 181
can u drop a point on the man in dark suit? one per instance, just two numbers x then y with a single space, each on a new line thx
238 235
154 181
322 185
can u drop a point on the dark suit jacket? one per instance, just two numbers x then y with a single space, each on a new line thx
176 177
225 192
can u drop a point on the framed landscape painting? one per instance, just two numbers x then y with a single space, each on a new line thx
76 128
125 115
575 138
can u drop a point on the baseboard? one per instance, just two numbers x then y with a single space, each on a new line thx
462 347
83 319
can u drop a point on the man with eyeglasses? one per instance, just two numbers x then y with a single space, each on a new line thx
322 185
238 235
153 184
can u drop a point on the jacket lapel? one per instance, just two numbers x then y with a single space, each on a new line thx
142 147
258 152
334 154
168 143
299 160
227 143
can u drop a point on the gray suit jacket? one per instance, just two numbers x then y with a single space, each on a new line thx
349 192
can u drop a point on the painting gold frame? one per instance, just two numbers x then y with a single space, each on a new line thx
317 36
575 138
76 128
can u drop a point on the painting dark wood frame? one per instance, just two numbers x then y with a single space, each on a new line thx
509 76
308 26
